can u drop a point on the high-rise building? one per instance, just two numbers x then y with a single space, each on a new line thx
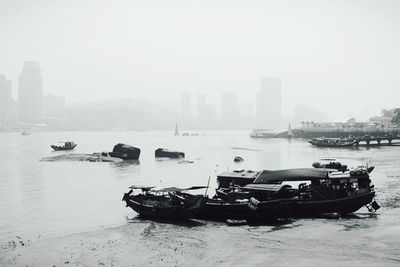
269 102
201 105
186 105
6 101
230 109
30 93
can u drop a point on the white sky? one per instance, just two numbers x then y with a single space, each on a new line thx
342 57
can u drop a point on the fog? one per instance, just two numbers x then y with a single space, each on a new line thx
339 57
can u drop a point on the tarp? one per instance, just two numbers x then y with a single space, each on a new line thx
264 187
303 174
166 189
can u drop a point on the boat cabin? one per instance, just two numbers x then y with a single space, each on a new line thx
236 178
308 183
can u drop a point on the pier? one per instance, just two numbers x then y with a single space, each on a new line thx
377 140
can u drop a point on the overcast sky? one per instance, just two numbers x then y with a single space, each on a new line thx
342 57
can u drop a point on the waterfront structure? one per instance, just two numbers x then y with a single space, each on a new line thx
269 102
30 93
6 102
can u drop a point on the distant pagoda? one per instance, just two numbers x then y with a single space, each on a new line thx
176 130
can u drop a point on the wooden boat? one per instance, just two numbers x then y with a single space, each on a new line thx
67 146
333 142
165 203
271 196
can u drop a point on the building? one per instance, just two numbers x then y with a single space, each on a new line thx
186 105
206 113
201 106
269 102
6 102
230 110
30 93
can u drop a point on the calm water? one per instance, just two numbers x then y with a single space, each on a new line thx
58 198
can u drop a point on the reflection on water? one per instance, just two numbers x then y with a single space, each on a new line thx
57 198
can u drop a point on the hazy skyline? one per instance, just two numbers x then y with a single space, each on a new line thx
341 57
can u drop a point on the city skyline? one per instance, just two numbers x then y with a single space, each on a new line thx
140 50
33 105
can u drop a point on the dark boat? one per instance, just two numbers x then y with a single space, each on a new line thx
333 142
330 164
67 146
271 195
336 165
165 203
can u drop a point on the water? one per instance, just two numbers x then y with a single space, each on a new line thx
51 199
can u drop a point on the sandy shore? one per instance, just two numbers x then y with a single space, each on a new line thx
144 243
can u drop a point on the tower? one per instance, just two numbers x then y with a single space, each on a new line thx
30 93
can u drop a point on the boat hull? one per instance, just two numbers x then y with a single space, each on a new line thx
283 208
347 144
189 209
59 148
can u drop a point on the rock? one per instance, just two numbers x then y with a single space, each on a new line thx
238 159
118 155
165 153
122 150
95 157
235 222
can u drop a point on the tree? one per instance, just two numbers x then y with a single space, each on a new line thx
396 117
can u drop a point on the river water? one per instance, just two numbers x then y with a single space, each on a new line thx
49 199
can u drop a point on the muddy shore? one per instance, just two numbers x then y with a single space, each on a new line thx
200 243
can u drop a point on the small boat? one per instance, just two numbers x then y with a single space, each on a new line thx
26 133
333 142
270 195
69 145
263 133
165 203
330 164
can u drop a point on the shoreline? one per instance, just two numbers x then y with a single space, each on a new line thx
202 243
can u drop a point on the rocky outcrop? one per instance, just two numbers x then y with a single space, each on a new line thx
95 157
165 153
238 159
124 151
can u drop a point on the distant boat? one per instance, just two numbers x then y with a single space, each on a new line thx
176 130
26 133
333 142
67 146
263 133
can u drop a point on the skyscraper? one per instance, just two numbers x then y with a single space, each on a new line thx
30 93
230 109
6 101
185 105
269 102
201 106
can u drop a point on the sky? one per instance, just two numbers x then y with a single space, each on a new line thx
341 57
